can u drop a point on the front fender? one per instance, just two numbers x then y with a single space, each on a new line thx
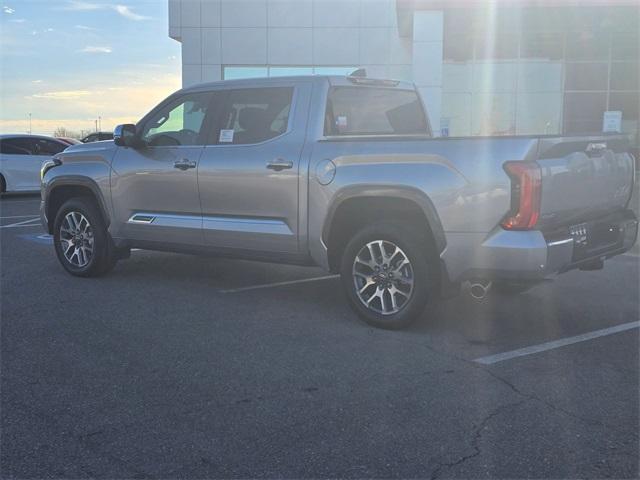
60 178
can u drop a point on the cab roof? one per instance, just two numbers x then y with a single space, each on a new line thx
334 80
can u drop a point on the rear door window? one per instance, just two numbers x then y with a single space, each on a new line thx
16 146
374 111
253 115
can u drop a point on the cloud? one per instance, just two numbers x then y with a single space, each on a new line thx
36 81
62 95
90 49
8 10
78 5
123 10
83 27
127 13
17 20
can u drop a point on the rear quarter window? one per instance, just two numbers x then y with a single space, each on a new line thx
374 111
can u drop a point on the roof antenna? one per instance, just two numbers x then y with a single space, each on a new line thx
360 72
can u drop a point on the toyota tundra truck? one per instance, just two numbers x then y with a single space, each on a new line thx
342 173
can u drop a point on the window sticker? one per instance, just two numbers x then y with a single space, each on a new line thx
226 136
341 123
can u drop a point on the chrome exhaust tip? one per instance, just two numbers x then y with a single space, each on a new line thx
479 289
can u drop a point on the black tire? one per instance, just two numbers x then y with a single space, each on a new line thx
417 250
103 257
3 185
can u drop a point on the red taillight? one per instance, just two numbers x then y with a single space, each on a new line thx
526 182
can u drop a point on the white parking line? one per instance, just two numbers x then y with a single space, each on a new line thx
543 347
19 216
24 223
278 284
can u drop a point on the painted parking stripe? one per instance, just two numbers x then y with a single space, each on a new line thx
543 347
43 239
24 223
19 216
278 284
46 239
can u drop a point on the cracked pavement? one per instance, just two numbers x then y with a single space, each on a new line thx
151 372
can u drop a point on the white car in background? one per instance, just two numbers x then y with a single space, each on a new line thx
21 157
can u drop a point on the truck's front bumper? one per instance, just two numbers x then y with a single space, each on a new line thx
533 255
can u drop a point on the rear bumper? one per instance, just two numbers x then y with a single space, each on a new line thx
534 255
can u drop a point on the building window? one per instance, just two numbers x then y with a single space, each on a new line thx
289 71
540 72
232 72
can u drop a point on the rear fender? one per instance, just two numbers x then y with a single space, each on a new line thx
401 192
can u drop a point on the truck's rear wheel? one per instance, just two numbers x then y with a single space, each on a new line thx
81 240
385 274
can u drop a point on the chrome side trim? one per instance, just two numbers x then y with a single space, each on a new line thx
213 223
171 220
246 225
141 218
560 242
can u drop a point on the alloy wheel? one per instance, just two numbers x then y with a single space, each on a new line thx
76 239
383 277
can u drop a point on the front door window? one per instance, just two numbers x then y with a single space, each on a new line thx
179 123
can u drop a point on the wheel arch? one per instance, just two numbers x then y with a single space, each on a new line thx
62 189
356 207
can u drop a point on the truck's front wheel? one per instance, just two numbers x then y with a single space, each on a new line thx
385 273
81 240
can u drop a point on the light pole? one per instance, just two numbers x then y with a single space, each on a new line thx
99 123
29 123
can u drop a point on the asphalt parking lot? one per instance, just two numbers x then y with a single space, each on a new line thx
176 366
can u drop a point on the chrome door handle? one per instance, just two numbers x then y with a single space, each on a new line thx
184 164
279 164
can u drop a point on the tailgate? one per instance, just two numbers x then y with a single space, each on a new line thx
583 178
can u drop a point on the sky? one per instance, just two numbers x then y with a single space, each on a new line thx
68 62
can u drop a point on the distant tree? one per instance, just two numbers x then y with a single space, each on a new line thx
63 132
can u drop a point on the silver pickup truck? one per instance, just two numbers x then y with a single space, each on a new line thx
341 172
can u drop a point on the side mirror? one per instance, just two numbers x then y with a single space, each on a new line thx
124 135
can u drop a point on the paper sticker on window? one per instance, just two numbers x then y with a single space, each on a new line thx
226 136
341 123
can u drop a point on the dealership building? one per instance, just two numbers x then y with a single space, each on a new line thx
501 68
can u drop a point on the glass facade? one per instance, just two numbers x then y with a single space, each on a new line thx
540 70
